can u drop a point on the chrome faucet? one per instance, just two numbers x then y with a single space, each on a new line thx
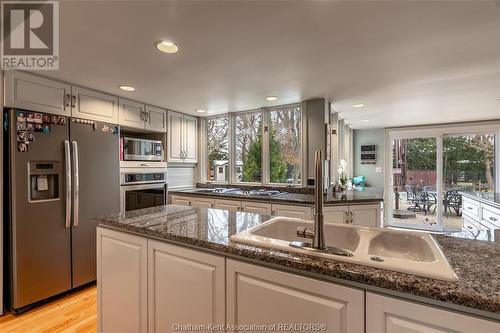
318 233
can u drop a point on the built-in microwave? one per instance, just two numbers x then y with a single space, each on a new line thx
134 149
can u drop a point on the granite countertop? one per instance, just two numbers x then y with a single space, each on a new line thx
477 263
368 195
489 198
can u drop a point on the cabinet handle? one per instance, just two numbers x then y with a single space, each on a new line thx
67 100
493 218
146 116
73 101
469 207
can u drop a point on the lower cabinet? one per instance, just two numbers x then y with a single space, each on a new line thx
369 215
301 212
202 202
256 207
122 263
262 296
390 315
180 200
184 287
230 205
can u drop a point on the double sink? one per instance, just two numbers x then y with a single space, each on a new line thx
403 251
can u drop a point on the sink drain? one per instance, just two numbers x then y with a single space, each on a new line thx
377 259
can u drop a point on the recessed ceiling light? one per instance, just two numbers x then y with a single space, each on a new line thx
126 87
498 98
360 105
271 98
365 120
166 46
201 110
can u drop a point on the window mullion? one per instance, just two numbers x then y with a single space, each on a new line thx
265 146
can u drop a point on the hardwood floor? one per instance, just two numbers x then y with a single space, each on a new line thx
76 312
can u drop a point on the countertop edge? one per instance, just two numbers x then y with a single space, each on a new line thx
226 252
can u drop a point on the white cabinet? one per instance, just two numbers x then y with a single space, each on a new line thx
180 200
301 212
94 105
390 315
31 92
202 202
367 215
230 205
182 138
364 214
257 295
184 287
131 114
155 119
121 282
256 207
480 214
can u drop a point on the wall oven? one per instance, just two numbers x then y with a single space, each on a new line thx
142 188
134 149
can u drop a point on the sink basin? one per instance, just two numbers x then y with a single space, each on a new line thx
403 251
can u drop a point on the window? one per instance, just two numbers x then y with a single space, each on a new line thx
248 147
285 144
217 141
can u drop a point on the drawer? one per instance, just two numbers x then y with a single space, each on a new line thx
230 205
471 208
256 207
490 217
202 202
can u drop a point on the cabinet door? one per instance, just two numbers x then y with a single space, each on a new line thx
230 205
256 207
202 202
156 120
34 93
367 215
121 282
190 137
180 200
336 214
175 143
131 114
94 105
390 315
258 295
184 287
300 212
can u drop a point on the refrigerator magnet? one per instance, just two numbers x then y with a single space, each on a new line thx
46 118
21 136
38 118
30 137
21 126
61 121
30 117
38 128
30 127
53 120
22 147
21 116
46 128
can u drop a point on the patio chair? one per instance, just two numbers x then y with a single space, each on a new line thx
411 197
452 200
426 201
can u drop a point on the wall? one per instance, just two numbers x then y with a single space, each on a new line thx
370 137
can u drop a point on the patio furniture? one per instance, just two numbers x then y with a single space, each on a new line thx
452 200
411 197
426 201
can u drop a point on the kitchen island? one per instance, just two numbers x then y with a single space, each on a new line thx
176 265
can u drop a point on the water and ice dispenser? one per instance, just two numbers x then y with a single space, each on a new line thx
44 177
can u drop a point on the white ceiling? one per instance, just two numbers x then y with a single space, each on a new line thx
409 62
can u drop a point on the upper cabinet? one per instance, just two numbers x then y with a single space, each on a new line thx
31 92
132 114
94 105
156 119
182 138
141 116
35 93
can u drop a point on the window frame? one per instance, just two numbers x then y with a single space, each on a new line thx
265 167
438 132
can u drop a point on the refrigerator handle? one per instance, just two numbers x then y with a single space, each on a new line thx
67 161
76 182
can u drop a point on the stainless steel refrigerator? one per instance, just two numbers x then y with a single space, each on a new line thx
62 172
